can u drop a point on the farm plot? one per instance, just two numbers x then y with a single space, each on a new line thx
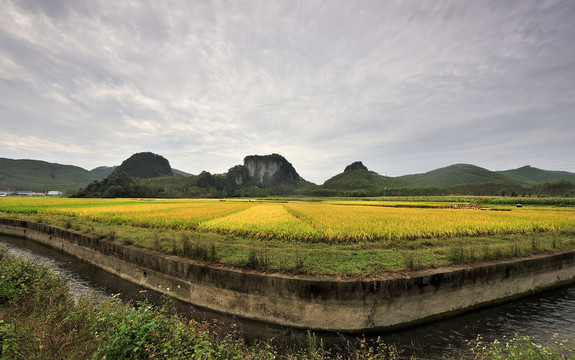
264 221
352 223
359 238
303 221
182 215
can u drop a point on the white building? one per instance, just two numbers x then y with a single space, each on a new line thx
55 193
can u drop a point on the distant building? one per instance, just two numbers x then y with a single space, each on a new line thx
55 193
20 193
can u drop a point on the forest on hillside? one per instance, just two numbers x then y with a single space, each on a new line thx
206 185
150 175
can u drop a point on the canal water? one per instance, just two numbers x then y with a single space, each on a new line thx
549 317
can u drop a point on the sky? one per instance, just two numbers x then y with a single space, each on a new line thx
403 86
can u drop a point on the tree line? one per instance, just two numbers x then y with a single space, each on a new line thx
206 185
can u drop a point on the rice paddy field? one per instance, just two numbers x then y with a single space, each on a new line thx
340 237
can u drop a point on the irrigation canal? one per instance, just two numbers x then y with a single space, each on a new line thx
541 316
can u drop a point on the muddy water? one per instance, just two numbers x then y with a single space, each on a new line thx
541 315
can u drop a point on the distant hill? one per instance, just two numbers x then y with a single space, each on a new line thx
42 176
145 165
258 176
534 175
150 175
465 179
104 171
266 170
459 174
358 165
127 179
180 173
357 179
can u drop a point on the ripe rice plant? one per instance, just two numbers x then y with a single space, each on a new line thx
264 221
329 222
353 238
355 223
182 215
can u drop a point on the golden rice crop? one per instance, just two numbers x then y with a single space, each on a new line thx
388 203
177 214
263 221
341 222
185 215
39 204
369 223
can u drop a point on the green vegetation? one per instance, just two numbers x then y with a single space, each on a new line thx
102 171
460 179
119 185
358 165
463 179
556 188
137 178
534 175
360 182
457 174
40 176
144 165
150 175
518 347
41 320
204 185
354 182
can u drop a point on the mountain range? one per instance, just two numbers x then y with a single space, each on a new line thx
148 174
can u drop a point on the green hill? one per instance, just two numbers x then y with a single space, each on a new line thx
534 175
459 174
41 176
357 179
102 171
181 173
150 175
145 165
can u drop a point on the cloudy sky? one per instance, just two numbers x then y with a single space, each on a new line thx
404 86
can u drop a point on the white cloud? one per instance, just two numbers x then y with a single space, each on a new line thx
31 142
323 83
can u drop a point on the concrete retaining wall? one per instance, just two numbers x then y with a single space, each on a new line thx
320 303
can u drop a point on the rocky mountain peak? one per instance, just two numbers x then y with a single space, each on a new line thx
358 165
266 169
145 165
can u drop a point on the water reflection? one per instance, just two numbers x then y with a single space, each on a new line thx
540 315
65 266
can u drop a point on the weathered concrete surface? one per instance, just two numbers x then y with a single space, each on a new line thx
320 303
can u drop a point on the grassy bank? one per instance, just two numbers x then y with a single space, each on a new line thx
39 319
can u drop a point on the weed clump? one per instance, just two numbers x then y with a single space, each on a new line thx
258 260
413 261
198 250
